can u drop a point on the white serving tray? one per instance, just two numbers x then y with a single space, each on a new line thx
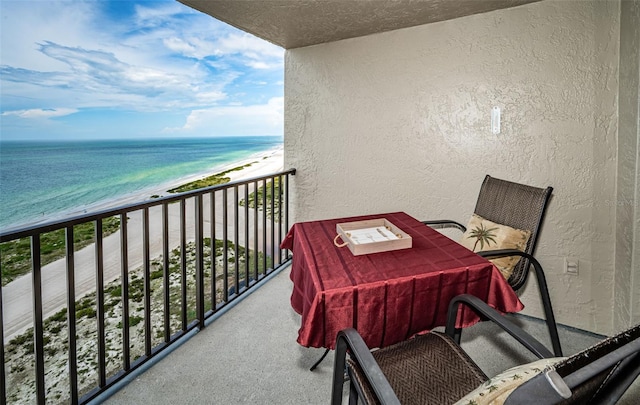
371 236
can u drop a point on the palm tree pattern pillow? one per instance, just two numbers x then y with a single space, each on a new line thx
483 234
496 390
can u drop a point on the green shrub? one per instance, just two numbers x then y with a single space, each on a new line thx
16 254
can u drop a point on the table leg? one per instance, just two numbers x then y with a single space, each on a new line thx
319 360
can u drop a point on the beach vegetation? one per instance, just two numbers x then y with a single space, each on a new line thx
213 180
134 320
16 254
19 351
60 316
256 198
209 181
115 291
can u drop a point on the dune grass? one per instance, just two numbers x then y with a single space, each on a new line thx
256 198
15 255
213 180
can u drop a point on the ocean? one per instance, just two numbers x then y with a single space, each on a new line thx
41 181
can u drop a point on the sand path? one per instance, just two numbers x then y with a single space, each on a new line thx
17 295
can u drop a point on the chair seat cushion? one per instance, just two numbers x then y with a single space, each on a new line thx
428 369
483 234
496 390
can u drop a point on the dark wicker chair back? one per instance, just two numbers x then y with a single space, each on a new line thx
518 206
597 375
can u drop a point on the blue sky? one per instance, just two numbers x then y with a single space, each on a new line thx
132 69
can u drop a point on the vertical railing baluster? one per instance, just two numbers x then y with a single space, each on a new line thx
146 262
273 223
3 387
280 208
124 280
38 343
99 258
71 315
183 262
246 236
166 273
286 212
225 248
199 260
264 227
236 241
214 253
256 255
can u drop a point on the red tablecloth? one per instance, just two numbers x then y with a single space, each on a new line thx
388 296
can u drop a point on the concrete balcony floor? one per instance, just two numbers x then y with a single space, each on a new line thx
249 355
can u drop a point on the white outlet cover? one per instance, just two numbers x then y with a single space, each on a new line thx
571 265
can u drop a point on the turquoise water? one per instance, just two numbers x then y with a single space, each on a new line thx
44 180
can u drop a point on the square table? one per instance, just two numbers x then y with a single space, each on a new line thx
388 296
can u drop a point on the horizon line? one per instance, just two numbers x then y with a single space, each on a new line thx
150 138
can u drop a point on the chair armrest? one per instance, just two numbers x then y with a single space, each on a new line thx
542 286
444 224
537 267
506 252
349 339
484 310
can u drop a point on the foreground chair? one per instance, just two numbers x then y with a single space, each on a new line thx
433 369
513 206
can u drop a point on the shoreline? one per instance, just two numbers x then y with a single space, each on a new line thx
264 162
17 294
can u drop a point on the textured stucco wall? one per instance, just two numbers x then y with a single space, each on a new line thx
400 121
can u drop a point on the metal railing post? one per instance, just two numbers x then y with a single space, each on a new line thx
102 366
124 295
3 387
166 272
199 261
146 259
236 242
71 315
38 328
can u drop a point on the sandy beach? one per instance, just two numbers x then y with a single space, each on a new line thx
17 296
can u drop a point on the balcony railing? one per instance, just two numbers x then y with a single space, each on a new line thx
152 273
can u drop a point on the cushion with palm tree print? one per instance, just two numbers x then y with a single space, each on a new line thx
496 390
483 234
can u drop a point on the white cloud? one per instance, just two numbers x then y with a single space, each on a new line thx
159 14
249 45
100 79
210 97
73 55
27 23
258 65
259 119
180 46
41 113
250 51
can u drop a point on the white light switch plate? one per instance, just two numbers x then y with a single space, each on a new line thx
495 120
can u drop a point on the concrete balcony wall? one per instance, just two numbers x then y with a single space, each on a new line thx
400 121
627 277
